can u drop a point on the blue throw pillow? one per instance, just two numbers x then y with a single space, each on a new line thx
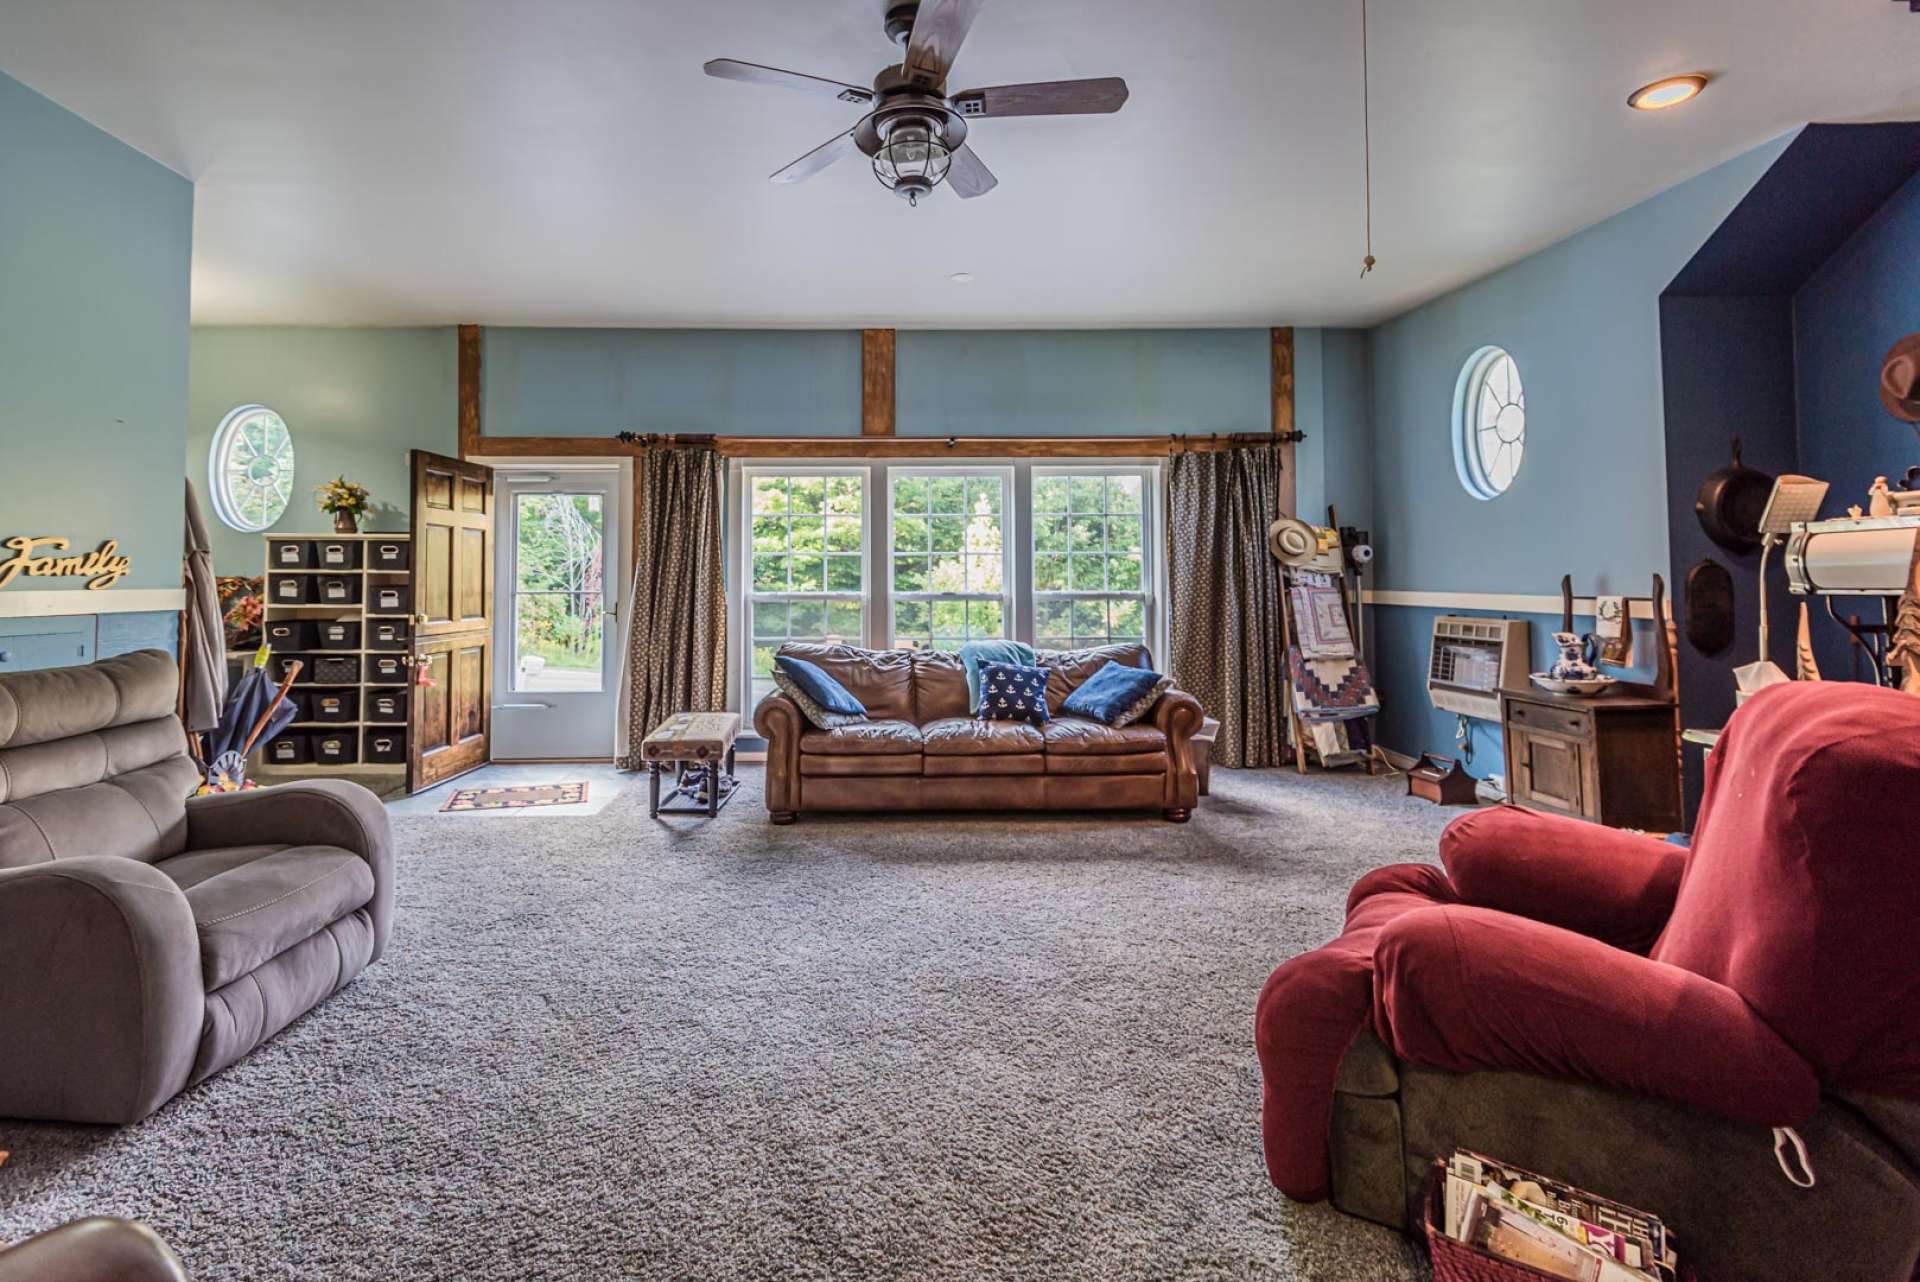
1013 692
974 653
829 696
1117 695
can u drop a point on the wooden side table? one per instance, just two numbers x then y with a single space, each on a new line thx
700 745
1611 759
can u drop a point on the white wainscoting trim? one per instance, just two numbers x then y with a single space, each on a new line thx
45 605
1501 602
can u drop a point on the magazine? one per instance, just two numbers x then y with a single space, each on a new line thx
1549 1225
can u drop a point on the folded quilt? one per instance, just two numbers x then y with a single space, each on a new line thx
1330 689
1320 616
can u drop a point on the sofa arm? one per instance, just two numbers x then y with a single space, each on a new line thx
781 723
1179 716
319 812
1614 886
1468 989
97 1249
101 997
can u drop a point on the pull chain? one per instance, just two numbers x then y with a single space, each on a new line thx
1366 135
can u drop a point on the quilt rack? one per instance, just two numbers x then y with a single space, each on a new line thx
1318 675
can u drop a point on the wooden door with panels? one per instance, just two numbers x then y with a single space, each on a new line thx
451 709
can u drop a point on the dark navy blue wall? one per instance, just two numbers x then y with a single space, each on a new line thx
1844 319
1728 372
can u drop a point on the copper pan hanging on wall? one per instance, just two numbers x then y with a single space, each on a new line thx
1731 502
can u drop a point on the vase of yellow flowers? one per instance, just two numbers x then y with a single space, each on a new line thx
345 500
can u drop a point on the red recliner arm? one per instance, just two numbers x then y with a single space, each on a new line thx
1614 886
1469 988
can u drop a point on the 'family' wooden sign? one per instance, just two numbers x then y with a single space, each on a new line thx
42 558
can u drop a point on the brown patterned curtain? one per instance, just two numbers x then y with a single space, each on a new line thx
1228 650
677 621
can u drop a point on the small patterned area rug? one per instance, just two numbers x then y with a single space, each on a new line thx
517 798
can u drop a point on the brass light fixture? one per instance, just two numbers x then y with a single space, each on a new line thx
1671 92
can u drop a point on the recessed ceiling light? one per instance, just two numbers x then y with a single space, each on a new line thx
961 278
1670 92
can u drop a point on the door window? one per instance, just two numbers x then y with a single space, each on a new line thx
559 592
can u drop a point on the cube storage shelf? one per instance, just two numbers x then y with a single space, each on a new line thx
341 603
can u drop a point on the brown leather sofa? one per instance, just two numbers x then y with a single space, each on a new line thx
922 751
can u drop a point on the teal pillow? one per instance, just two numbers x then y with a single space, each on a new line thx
974 653
1117 695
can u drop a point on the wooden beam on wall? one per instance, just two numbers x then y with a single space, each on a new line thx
1283 416
876 382
469 381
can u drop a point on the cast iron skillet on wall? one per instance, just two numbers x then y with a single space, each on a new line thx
1731 502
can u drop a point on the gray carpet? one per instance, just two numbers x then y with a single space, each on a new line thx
879 1048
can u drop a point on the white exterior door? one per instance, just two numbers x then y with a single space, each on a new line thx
558 581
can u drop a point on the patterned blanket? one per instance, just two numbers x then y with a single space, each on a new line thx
1330 689
1319 616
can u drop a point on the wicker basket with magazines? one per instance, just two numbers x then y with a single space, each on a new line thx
1455 1261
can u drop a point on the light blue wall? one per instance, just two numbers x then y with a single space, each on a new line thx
356 400
600 382
95 247
1132 382
1582 320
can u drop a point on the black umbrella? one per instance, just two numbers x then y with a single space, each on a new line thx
256 709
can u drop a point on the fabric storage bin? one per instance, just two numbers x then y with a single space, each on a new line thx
335 590
386 669
334 670
336 748
287 634
390 598
288 554
336 634
288 750
287 589
386 705
389 554
387 747
336 554
281 664
387 634
336 707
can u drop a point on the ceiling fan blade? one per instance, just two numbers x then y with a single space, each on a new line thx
816 160
968 175
938 31
754 73
1047 98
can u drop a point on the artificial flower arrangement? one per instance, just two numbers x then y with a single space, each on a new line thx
242 609
346 500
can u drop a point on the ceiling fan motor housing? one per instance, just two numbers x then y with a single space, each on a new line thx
900 21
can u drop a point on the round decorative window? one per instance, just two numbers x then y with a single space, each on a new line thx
1489 423
250 468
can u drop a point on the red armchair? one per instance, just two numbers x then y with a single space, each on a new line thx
1636 1017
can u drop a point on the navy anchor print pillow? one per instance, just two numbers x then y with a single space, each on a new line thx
1010 692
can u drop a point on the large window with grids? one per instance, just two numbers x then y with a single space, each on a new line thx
1091 580
918 554
807 563
947 531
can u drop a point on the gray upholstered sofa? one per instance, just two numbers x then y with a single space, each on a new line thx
148 940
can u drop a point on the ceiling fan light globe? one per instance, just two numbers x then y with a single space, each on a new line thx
913 159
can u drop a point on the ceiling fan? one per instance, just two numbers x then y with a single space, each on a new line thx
916 133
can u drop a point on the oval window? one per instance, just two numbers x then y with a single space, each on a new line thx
250 468
1489 423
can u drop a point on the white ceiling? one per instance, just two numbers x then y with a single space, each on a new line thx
566 162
